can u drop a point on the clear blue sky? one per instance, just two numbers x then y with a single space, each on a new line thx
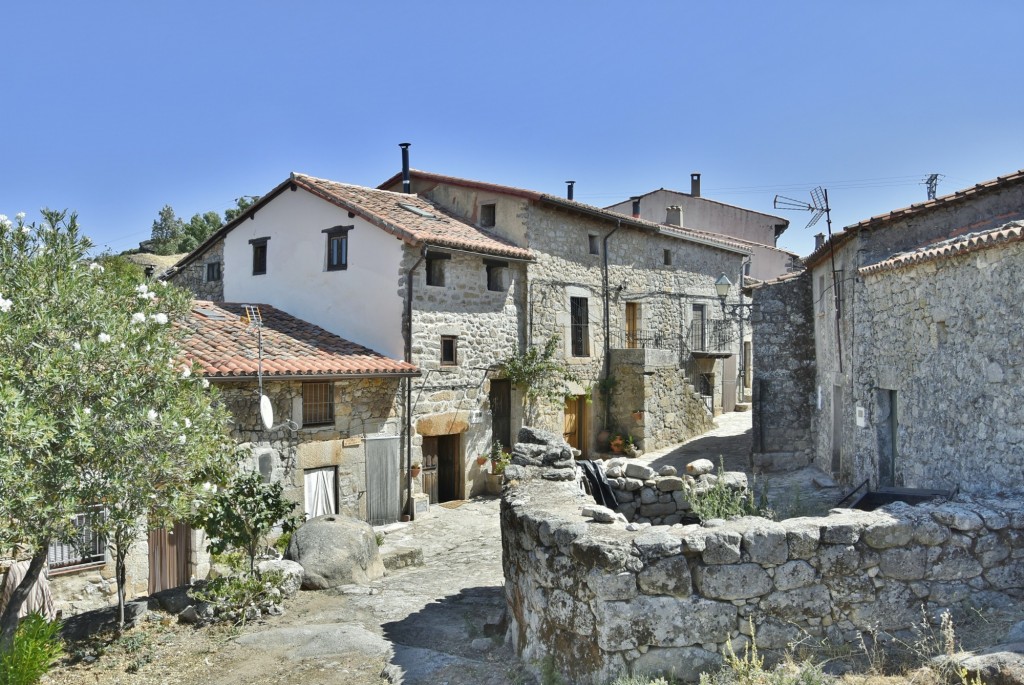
115 108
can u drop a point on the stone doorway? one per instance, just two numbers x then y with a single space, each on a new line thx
575 427
442 475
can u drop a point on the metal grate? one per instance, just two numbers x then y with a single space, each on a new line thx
88 549
317 403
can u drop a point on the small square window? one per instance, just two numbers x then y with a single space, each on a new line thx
487 215
213 271
595 245
435 269
337 247
317 403
259 255
449 350
668 257
495 274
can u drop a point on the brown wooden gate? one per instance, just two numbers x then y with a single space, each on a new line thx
170 557
501 412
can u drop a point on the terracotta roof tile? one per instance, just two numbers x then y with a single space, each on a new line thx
220 341
1007 233
411 217
881 219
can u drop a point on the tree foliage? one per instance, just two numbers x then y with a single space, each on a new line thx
241 516
98 404
539 372
172 235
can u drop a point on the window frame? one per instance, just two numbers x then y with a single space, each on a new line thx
325 409
494 269
259 256
214 272
453 340
435 260
488 214
340 234
579 326
82 560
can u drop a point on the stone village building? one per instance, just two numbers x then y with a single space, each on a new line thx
756 231
455 276
895 357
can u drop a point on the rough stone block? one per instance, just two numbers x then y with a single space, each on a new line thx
732 581
721 547
648 496
955 563
838 559
699 467
800 603
957 517
904 563
888 533
662 622
670 484
1009 576
639 471
611 586
765 543
794 574
838 532
685 664
668 576
658 509
656 544
803 536
599 513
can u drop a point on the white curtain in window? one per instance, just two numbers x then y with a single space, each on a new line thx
321 491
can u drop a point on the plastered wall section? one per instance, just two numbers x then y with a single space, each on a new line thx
599 601
943 335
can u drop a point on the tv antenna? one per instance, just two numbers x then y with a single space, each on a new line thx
819 206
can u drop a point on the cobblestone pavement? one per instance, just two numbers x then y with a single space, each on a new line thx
802 492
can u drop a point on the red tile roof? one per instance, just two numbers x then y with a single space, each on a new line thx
712 239
410 217
1008 233
881 220
219 339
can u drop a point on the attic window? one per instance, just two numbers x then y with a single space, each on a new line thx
417 211
487 215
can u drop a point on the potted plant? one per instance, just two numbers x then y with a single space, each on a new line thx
414 469
630 447
618 443
499 460
482 459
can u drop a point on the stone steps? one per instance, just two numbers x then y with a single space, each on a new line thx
396 557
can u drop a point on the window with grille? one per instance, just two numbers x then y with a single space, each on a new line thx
579 327
259 255
337 247
89 549
213 271
317 403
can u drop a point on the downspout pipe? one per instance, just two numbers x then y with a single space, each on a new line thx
607 323
407 335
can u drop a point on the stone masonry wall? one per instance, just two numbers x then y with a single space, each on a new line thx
784 372
600 600
487 325
947 328
365 406
193 276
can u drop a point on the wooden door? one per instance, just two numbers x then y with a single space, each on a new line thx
632 325
449 473
170 557
575 427
729 384
501 412
430 448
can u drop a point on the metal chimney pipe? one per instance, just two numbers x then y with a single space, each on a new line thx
636 206
406 183
695 185
568 190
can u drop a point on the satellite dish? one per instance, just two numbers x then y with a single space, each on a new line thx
266 412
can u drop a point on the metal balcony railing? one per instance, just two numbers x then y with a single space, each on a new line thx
711 336
644 339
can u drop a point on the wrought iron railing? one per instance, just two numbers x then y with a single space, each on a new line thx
711 336
644 339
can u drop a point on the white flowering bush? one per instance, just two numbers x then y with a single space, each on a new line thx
92 412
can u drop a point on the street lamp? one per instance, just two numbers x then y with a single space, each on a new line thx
722 286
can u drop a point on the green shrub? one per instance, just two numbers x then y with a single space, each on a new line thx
721 501
36 646
240 598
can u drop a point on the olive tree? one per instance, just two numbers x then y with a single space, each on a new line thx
99 405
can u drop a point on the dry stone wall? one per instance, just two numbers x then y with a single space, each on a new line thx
600 600
193 275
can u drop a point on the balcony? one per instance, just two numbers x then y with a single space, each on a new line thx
643 340
711 339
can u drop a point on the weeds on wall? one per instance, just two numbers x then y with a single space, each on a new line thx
722 502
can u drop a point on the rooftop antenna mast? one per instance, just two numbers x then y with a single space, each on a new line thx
819 208
254 321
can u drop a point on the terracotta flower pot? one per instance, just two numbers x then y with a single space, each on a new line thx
481 460
617 445
415 471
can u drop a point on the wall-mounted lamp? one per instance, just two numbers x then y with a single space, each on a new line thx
722 286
